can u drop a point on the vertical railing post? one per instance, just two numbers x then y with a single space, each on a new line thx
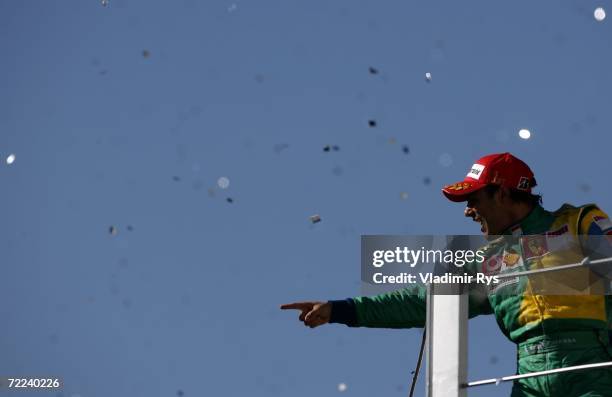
446 327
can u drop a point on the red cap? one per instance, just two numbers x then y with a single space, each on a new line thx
495 169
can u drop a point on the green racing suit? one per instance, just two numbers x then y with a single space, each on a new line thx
550 330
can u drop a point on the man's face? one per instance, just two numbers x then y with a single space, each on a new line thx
488 211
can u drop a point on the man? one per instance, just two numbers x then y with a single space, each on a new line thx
551 331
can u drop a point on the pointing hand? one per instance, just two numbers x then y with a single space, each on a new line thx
312 314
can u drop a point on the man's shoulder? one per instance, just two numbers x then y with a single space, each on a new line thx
588 218
572 210
571 207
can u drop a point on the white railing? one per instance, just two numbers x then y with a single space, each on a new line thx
447 342
497 381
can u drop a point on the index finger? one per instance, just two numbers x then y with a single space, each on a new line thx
296 305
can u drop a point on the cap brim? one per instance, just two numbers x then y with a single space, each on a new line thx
460 191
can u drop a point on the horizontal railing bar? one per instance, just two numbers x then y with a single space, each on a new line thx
540 373
585 262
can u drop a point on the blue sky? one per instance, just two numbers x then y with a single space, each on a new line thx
106 134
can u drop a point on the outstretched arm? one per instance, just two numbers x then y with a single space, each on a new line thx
399 309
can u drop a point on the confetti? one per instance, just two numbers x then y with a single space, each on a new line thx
180 393
373 70
229 200
104 3
405 149
584 187
575 127
112 230
130 228
427 181
145 53
342 387
223 182
372 123
54 338
599 14
403 195
279 147
232 8
315 218
525 134
326 148
428 77
10 159
176 178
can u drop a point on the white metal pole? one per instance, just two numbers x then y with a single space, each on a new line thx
446 326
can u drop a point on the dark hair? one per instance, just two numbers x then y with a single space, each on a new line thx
516 195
